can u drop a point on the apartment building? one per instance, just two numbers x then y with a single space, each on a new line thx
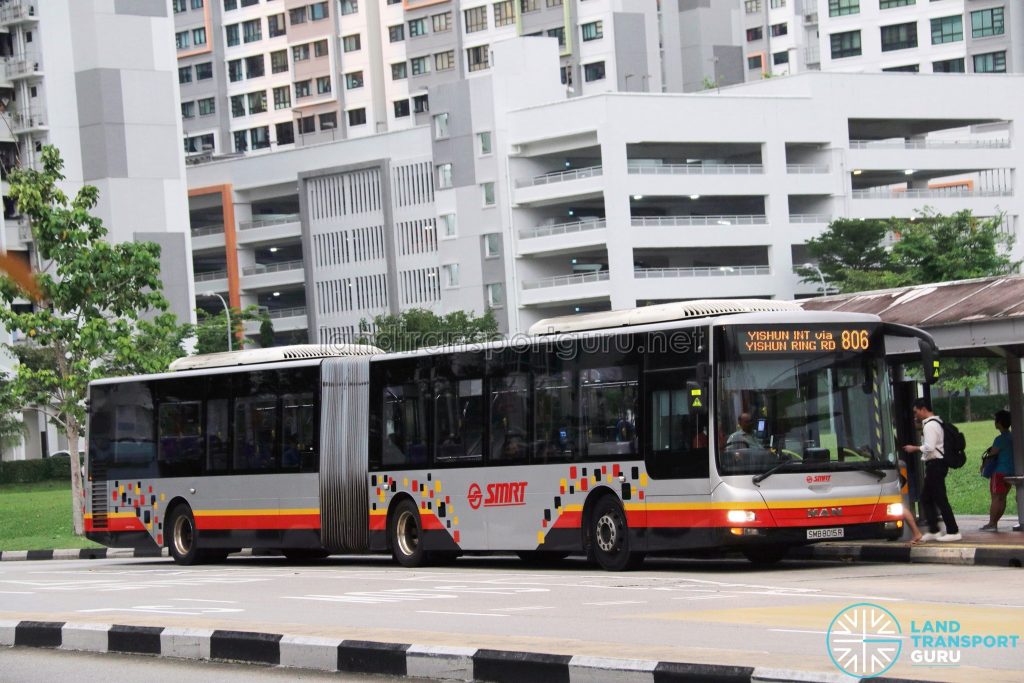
781 37
96 79
519 198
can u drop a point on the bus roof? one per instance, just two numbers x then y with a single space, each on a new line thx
272 355
677 310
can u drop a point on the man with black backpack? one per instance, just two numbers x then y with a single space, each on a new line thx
933 496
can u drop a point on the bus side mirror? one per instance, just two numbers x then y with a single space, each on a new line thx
696 398
929 361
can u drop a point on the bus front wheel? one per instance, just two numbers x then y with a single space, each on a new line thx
183 546
609 537
406 533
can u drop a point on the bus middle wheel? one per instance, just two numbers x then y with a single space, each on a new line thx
405 532
609 537
184 540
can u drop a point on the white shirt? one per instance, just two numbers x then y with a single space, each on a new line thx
931 439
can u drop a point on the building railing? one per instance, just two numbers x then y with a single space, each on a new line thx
215 275
21 66
561 176
260 269
810 218
562 228
562 280
933 193
292 312
807 168
17 10
276 219
696 169
27 120
721 219
207 230
929 144
701 271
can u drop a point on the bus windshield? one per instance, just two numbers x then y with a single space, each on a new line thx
803 398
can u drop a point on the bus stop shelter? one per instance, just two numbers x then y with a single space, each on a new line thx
980 318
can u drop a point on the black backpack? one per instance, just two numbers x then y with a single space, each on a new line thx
955 445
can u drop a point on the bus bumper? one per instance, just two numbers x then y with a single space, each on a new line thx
874 531
124 539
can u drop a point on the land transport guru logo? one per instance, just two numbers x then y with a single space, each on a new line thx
865 640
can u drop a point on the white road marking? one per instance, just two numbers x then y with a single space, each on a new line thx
617 602
517 609
226 602
17 593
461 614
165 609
821 633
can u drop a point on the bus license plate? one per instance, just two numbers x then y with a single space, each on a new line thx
816 534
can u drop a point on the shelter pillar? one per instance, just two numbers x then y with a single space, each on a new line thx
1015 385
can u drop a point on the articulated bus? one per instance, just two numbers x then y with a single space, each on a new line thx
746 426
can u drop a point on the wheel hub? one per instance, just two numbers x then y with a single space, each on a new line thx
607 533
183 535
408 534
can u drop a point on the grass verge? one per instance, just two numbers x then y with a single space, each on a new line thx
37 516
967 489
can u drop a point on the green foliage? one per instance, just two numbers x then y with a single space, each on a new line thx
35 517
12 427
709 83
418 328
212 329
968 490
930 248
982 407
266 337
102 310
24 471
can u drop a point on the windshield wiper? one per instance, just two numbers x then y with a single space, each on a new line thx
758 478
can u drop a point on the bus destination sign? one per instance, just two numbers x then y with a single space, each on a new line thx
802 339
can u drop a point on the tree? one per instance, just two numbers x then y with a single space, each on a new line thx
101 311
962 375
266 330
417 328
931 247
212 329
12 425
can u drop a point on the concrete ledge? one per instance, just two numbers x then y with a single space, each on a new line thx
86 637
138 640
448 663
701 673
186 643
604 669
39 633
306 652
364 656
245 646
512 667
7 629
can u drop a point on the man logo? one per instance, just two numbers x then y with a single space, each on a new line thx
864 640
474 496
824 512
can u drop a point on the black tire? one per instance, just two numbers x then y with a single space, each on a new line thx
764 555
182 537
405 533
540 558
305 554
609 537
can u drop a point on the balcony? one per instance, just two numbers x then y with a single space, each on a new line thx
695 169
700 271
564 280
932 193
207 230
562 229
24 66
816 218
716 220
805 169
274 274
18 12
208 237
209 282
561 176
269 228
562 237
929 144
28 121
285 320
576 288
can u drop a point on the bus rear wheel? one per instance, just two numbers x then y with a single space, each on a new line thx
609 537
406 534
183 542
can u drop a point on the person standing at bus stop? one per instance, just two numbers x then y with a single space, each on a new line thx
934 499
1002 449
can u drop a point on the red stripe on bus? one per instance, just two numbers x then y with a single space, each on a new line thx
276 522
117 524
697 518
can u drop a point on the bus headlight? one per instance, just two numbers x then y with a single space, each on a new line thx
894 510
740 516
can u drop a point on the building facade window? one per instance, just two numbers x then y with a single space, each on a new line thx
230 5
754 62
504 13
351 43
278 61
417 27
198 36
320 48
252 31
484 145
300 53
440 126
451 274
899 36
197 4
443 61
592 31
184 74
755 34
492 245
351 7
179 6
447 223
357 117
353 80
559 33
420 104
396 34
990 63
949 66
204 71
987 22
441 22
207 106
297 16
420 66
777 3
257 102
275 25
181 40
751 6
906 68
476 19
329 120
487 192
260 137
323 83
307 125
284 133
401 108
495 295
303 89
254 66
780 58
188 110
890 4
444 176
478 58
839 8
199 143
282 97
319 10
398 71
780 29
947 29
528 6
237 105
235 72
845 44
593 71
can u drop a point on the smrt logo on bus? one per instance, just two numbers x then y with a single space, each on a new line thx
818 478
501 494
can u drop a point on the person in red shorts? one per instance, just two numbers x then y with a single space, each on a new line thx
1002 448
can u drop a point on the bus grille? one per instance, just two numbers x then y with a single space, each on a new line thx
99 497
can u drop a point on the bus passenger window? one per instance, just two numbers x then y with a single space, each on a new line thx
609 401
405 443
298 437
217 436
458 414
255 432
554 418
509 403
179 439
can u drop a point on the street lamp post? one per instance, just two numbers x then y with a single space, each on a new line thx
227 312
816 269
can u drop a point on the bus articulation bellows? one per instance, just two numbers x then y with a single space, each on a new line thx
701 426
